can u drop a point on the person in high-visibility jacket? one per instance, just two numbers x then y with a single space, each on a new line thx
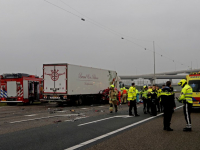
119 95
121 89
186 99
113 98
149 99
132 100
144 93
124 95
137 96
154 95
158 98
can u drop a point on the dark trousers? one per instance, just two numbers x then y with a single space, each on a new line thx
133 104
187 108
153 107
161 106
158 104
148 104
167 116
144 105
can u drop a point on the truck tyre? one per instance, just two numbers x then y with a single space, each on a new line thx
60 104
80 102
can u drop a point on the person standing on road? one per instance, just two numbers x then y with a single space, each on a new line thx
149 99
168 104
132 100
144 93
186 99
161 104
158 98
124 95
113 98
153 96
137 96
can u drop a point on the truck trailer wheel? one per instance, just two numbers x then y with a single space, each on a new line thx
80 101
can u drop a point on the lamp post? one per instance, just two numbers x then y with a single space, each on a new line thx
154 55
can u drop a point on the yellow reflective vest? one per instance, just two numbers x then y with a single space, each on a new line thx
186 94
149 91
159 92
131 94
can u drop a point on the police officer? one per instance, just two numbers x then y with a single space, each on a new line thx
113 98
153 97
144 93
168 102
186 99
132 100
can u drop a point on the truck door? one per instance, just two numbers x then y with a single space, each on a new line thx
11 89
54 79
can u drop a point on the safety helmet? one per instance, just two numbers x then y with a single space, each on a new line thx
121 89
182 82
112 86
124 88
145 87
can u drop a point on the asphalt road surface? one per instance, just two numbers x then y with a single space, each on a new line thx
47 127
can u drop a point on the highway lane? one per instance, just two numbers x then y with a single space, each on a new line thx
64 135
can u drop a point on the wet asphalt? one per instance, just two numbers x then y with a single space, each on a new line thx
47 134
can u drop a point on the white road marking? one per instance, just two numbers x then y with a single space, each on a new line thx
61 111
31 115
45 118
113 132
123 116
84 108
101 106
78 118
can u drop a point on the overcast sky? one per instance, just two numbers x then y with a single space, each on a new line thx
33 32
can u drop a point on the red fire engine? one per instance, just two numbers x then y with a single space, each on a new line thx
20 88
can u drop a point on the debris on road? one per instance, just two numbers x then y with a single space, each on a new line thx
57 121
72 110
51 111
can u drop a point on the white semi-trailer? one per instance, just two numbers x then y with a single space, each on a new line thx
65 82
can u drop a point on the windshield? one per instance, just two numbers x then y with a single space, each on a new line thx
195 84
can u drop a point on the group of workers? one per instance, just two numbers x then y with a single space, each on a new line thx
154 100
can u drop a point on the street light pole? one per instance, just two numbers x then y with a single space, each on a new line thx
154 55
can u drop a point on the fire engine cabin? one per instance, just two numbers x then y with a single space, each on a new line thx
20 88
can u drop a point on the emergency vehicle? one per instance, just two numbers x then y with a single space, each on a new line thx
20 88
193 79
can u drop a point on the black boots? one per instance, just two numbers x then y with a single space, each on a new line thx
187 129
168 129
